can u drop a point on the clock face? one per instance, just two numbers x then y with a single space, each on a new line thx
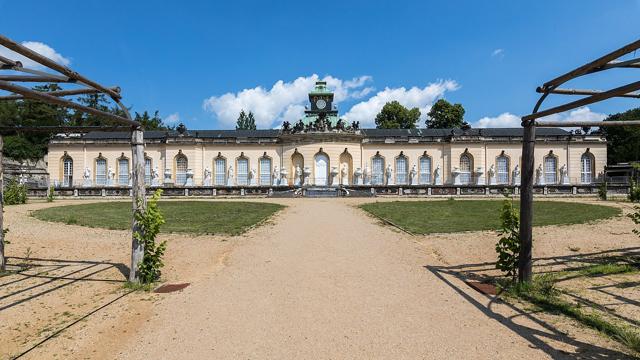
320 104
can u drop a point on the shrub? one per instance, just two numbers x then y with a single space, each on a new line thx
50 194
635 217
15 193
602 191
149 222
508 246
634 192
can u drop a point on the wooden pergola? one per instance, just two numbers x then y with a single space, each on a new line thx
13 75
533 120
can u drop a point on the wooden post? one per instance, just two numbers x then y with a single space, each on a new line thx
526 202
137 192
3 262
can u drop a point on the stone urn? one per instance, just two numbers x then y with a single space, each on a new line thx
358 176
306 173
283 177
334 175
455 173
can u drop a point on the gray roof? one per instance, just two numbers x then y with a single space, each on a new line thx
270 133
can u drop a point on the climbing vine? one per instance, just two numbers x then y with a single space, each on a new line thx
149 222
508 246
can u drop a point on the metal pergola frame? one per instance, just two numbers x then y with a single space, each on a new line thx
61 74
531 121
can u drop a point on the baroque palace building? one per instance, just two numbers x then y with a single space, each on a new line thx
322 150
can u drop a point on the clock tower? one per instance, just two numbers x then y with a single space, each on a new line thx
321 100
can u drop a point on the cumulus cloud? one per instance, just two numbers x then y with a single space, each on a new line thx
283 101
422 98
511 120
172 118
40 48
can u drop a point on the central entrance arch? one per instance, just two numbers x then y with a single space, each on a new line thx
321 169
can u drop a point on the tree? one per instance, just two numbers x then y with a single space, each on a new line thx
395 116
152 123
444 115
246 122
623 142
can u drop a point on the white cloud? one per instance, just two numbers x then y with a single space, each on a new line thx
40 48
511 120
498 53
172 118
283 101
422 98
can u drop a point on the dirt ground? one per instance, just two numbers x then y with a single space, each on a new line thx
322 279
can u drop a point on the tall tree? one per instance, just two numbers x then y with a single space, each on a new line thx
395 116
623 142
443 115
154 122
246 122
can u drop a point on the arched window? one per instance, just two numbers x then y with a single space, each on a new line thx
401 170
147 171
101 171
502 171
182 164
377 170
586 168
243 171
67 171
550 170
466 164
265 171
425 170
220 169
123 171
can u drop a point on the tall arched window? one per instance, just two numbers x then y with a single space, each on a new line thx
466 164
401 170
220 171
502 171
123 171
377 170
425 170
550 170
67 171
182 164
265 171
586 168
243 171
101 171
147 171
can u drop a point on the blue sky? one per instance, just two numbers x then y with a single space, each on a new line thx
200 61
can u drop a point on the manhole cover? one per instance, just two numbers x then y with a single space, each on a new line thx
167 288
483 288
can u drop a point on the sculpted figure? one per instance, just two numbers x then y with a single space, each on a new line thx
412 175
539 174
87 174
492 171
516 171
389 174
563 171
111 174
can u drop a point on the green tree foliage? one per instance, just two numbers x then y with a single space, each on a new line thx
154 122
623 142
150 221
635 217
14 193
443 115
508 246
395 116
246 121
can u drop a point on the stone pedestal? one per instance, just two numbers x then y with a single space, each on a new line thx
306 173
357 177
565 180
515 181
437 179
155 182
283 178
87 183
110 182
189 178
456 177
167 177
230 180
344 181
492 180
480 176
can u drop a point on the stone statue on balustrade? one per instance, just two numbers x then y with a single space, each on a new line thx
515 176
275 177
155 177
437 177
252 178
539 176
297 180
344 175
207 177
111 175
492 175
86 178
230 177
564 175
412 175
389 175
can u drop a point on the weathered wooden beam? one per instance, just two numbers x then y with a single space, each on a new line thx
9 130
525 263
634 95
138 194
3 260
544 123
43 60
62 93
42 96
595 64
585 101
31 78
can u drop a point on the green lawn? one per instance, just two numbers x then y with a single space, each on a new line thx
197 217
425 217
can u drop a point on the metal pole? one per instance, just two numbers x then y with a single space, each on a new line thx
3 262
526 203
139 199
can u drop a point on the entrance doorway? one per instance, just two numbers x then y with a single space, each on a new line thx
321 170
